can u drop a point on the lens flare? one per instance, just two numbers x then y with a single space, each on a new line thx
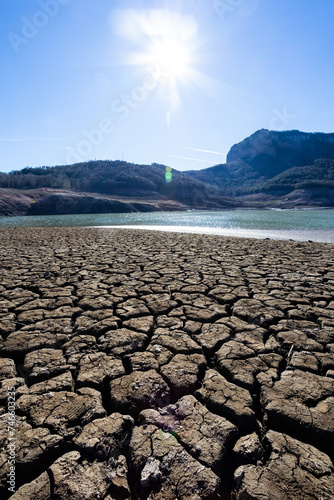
168 174
168 43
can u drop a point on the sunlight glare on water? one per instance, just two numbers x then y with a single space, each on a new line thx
316 225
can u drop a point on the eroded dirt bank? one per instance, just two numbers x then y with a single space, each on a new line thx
153 365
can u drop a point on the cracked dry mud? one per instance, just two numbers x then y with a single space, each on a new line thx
152 365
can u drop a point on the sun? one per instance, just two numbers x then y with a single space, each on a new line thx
172 57
165 42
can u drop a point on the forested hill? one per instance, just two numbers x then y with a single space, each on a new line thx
127 183
107 177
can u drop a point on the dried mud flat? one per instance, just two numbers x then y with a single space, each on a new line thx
152 365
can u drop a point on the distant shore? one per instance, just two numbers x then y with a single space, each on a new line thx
50 201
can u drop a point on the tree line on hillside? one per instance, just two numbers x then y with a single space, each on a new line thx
117 178
318 175
239 178
126 179
105 177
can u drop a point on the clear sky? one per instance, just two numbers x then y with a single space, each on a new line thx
176 82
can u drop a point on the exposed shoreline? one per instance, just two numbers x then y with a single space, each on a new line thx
163 365
315 236
48 201
298 225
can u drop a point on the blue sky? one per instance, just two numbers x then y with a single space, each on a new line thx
174 82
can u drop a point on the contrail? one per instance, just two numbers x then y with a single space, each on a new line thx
192 159
206 151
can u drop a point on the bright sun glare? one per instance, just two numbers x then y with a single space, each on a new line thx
166 41
171 56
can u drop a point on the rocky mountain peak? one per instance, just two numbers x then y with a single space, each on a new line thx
272 152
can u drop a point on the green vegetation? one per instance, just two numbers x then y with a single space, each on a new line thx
318 175
232 179
117 178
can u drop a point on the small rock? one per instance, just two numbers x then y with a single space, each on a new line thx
248 449
151 472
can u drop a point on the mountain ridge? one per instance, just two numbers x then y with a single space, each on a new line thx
266 155
282 149
260 172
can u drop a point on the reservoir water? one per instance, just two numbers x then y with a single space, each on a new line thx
303 225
